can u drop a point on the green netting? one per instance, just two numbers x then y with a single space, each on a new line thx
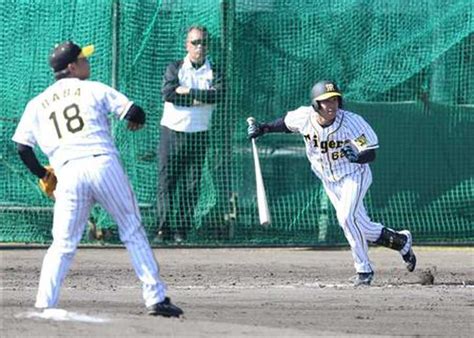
406 66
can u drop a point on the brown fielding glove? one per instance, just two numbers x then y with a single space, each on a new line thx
48 183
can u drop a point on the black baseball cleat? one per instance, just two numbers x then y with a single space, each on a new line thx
165 309
409 258
363 278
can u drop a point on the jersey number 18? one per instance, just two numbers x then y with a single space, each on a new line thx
74 121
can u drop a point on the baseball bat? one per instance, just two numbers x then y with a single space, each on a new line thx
263 212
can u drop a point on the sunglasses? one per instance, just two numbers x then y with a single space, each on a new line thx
199 42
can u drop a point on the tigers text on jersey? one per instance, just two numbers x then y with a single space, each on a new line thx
324 144
69 120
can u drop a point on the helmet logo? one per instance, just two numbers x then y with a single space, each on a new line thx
330 87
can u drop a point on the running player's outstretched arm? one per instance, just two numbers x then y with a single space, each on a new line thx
258 129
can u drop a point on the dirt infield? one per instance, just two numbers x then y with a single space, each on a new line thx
246 292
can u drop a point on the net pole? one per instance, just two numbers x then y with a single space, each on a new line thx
115 43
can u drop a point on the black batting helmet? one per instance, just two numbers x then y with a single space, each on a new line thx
324 90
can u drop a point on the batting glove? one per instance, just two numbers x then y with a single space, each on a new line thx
255 130
351 155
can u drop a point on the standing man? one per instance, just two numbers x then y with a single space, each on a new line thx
339 146
190 90
69 122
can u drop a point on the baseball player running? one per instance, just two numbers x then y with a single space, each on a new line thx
339 146
69 122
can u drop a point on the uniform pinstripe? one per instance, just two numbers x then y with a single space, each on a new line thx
89 171
345 183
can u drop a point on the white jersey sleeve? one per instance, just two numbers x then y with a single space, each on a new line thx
24 133
296 120
113 101
362 134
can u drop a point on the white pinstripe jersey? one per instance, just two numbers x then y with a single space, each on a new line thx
323 145
69 120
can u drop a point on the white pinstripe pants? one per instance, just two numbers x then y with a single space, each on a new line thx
82 183
347 197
